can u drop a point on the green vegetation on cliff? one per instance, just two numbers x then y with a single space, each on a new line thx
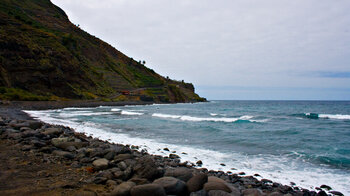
43 56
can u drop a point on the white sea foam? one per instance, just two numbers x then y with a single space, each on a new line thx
335 116
78 108
282 169
116 110
199 119
87 113
125 112
213 114
165 115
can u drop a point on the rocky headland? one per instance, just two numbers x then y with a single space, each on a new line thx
42 159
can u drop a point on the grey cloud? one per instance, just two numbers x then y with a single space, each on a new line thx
227 42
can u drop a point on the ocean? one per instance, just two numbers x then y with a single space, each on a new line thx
304 142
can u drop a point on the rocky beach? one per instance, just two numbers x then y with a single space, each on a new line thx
43 159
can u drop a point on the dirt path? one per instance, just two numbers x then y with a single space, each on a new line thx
27 173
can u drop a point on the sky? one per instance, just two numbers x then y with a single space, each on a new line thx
231 49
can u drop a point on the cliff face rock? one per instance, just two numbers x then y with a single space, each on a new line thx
44 56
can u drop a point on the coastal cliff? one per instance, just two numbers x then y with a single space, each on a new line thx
45 57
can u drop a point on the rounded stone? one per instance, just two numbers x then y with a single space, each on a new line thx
196 182
148 190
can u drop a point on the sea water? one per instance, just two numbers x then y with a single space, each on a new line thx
305 142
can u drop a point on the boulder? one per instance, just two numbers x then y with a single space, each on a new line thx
199 193
66 144
28 133
35 124
147 168
219 193
123 189
100 164
323 186
199 163
174 156
182 173
216 186
215 179
122 165
196 182
171 185
64 154
148 190
139 181
122 157
252 192
52 131
336 193
18 125
276 194
110 155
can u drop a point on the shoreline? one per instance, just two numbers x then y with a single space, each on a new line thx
230 184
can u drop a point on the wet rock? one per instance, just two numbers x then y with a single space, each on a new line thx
27 147
181 173
266 181
171 185
321 193
122 157
111 183
47 149
64 154
85 160
100 164
219 193
71 148
128 173
139 181
110 155
22 129
174 156
147 168
18 125
30 133
123 189
325 187
34 124
222 164
199 163
199 193
148 190
166 149
196 182
216 186
105 174
252 192
119 174
215 179
122 165
276 194
96 152
52 131
38 144
100 180
65 143
336 193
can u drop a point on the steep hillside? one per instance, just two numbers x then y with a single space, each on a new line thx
43 56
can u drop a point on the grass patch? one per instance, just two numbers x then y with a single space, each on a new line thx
15 94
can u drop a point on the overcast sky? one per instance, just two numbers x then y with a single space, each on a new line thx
231 49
